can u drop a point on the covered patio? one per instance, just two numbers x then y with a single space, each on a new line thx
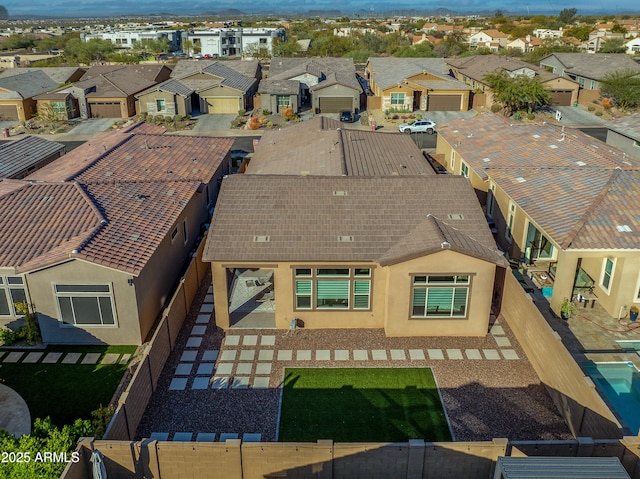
252 299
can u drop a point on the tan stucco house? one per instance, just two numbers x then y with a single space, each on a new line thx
562 205
168 98
97 240
410 84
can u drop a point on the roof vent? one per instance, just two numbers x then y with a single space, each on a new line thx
340 193
261 239
345 239
536 136
581 163
75 251
456 216
553 146
520 179
134 237
445 245
623 228
486 160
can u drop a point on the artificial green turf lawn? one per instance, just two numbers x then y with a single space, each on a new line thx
361 405
66 392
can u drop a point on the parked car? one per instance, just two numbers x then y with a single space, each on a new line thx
416 126
347 116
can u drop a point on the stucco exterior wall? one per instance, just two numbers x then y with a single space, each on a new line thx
174 104
270 102
336 91
624 143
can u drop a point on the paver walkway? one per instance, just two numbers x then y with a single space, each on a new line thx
53 357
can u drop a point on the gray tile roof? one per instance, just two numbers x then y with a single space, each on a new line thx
627 125
279 87
594 66
18 155
387 72
57 74
387 219
231 78
338 78
335 70
477 66
171 86
26 85
324 147
248 68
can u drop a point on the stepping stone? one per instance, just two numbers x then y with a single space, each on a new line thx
263 368
224 369
208 298
268 340
303 355
244 368
240 382
247 355
206 437
250 340
251 437
125 358
416 355
159 436
52 358
91 358
341 354
491 354
194 342
205 369
183 369
206 308
260 383
198 330
360 355
323 355
265 355
33 357
229 355
189 356
454 354
203 318
398 355
228 435
200 383
379 354
435 354
285 355
210 355
232 340
497 330
219 383
70 358
110 358
503 342
183 436
473 354
510 354
178 384
15 357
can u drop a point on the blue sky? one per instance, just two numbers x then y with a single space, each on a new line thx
106 7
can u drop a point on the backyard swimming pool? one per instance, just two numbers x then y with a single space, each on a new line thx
620 384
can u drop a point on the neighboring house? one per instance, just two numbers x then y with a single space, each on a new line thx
21 157
547 33
20 86
587 69
525 45
230 42
624 134
633 46
597 39
561 203
472 71
326 85
168 98
127 38
97 240
218 87
491 39
415 84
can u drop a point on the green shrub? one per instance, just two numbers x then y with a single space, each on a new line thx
598 113
591 108
143 116
168 119
495 108
531 116
242 112
7 337
517 116
186 117
266 112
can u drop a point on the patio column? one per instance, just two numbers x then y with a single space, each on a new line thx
220 295
565 276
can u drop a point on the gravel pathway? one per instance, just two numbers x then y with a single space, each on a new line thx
483 398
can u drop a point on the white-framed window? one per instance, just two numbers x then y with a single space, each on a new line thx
284 101
510 220
85 304
397 99
438 296
12 291
593 85
332 288
464 169
160 105
606 276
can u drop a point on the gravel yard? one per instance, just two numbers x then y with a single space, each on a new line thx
491 391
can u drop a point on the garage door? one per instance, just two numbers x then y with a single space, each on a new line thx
223 105
105 110
335 104
561 98
444 103
8 112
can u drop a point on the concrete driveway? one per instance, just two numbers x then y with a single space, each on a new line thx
577 116
8 123
92 126
214 122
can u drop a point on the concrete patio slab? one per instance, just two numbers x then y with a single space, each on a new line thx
70 358
379 355
250 340
360 355
323 355
210 355
510 354
110 358
251 437
260 383
341 354
263 368
491 354
503 341
229 355
159 436
189 356
125 358
200 383
206 437
194 342
183 369
265 355
473 354
219 383
398 355
52 358
268 340
247 355
285 355
497 330
224 436
205 369
178 384
183 436
303 355
33 357
232 340
91 358
203 318
198 330
244 368
240 382
224 369
454 354
435 354
416 355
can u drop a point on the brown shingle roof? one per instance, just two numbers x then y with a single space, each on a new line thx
304 216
